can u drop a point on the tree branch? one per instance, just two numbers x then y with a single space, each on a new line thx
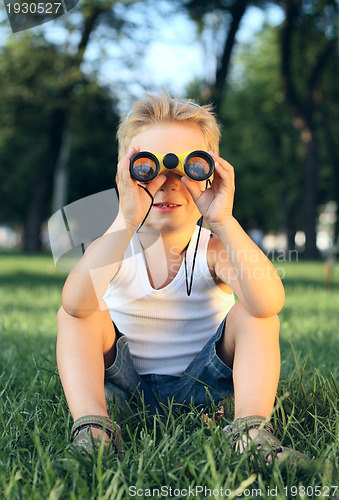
237 11
320 66
88 27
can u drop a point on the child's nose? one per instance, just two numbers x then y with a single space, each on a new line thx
172 181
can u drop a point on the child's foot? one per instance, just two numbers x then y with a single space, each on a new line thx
253 434
260 432
100 435
89 431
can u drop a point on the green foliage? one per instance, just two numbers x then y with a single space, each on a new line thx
261 136
177 450
258 137
93 155
21 121
38 79
260 140
316 25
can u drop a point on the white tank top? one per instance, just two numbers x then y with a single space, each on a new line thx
166 328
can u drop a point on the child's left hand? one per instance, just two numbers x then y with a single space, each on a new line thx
216 202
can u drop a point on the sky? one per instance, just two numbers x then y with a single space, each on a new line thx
172 59
175 59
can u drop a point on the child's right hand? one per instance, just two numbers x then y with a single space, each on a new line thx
134 201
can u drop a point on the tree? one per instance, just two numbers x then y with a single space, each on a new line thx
221 19
258 139
57 92
308 43
32 77
329 128
228 14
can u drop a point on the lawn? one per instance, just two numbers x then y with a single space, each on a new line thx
175 456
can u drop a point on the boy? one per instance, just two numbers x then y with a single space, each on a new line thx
128 322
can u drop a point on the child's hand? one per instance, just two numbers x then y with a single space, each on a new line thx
134 201
216 202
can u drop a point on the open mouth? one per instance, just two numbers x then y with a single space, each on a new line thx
166 205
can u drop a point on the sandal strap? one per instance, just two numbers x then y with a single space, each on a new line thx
96 421
235 430
265 442
83 441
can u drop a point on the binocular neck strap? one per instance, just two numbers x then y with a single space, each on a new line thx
188 285
149 209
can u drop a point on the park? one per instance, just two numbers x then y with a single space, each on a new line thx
65 85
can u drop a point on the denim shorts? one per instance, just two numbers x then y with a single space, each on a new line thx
207 378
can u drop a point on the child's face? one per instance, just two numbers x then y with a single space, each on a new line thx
172 138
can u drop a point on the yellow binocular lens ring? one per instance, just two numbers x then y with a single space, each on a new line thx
197 165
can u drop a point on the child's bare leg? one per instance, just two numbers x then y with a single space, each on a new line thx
250 346
83 346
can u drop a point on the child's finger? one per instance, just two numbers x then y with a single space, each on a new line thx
123 165
224 173
225 164
154 185
226 179
193 187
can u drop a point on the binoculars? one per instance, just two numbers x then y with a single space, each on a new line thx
197 165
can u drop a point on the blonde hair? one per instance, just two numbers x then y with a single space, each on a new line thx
153 109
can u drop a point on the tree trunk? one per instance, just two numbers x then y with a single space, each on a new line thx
41 194
37 208
60 184
334 157
218 89
286 211
311 162
302 105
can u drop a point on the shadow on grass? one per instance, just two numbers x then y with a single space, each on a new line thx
316 284
32 279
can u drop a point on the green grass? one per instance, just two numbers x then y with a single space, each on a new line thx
176 451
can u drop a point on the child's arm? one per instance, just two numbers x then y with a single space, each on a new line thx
244 267
88 280
247 270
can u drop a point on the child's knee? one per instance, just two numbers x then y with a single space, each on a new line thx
275 323
98 322
242 320
62 316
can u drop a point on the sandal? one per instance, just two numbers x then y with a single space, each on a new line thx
83 441
265 442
